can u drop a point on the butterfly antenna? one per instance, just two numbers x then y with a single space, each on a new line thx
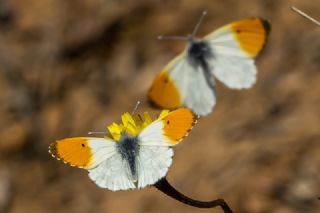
97 133
132 113
305 15
135 108
161 37
204 13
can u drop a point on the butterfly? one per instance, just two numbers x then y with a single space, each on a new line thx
226 54
137 154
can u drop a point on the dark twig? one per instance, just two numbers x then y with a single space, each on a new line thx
164 186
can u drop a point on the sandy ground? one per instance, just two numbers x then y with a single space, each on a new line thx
69 67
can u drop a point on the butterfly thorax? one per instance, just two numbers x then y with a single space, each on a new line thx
199 52
128 148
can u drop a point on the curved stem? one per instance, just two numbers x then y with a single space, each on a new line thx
164 186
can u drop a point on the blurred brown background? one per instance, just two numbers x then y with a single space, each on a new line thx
69 67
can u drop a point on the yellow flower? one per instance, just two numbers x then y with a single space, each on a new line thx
132 125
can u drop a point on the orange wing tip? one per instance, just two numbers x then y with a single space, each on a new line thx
252 34
178 124
267 26
186 135
72 151
267 29
163 92
53 150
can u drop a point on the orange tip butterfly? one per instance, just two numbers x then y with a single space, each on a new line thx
138 154
226 54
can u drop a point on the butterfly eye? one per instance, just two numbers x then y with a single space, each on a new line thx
82 145
238 31
166 80
168 122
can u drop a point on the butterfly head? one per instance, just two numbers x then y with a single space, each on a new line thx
191 38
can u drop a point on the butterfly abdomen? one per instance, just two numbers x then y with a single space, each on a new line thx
128 148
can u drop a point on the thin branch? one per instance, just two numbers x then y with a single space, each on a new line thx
305 15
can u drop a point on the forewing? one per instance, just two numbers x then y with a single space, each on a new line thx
244 38
83 152
168 130
165 91
182 84
234 47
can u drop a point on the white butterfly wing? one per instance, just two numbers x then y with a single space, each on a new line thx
97 155
200 95
196 93
102 149
181 84
234 46
113 174
223 42
234 72
153 163
155 154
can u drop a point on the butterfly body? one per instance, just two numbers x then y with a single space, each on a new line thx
128 147
138 154
199 55
226 54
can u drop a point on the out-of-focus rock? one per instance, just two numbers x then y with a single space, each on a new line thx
13 136
5 189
